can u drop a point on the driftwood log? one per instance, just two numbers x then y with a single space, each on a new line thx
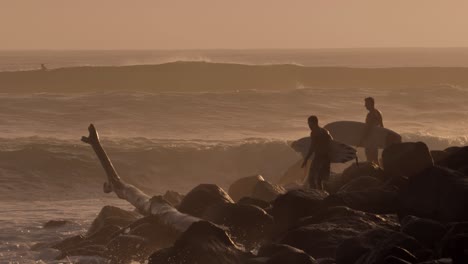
144 203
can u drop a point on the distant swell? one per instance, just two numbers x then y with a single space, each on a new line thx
205 76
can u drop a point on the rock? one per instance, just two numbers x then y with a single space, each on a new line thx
427 232
404 160
110 215
202 242
69 242
244 187
362 169
202 197
290 207
363 183
156 232
56 223
456 159
127 248
437 193
454 245
173 197
320 235
267 191
252 201
439 156
377 201
248 224
376 245
280 254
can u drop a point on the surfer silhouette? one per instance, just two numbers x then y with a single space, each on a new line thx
43 67
373 119
320 145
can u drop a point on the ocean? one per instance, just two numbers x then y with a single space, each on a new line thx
171 120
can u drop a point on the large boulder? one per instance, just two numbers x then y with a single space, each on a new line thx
173 197
362 183
111 215
203 242
320 235
377 201
436 193
361 169
248 224
280 254
454 244
428 232
290 207
456 159
404 160
380 245
244 187
202 197
267 191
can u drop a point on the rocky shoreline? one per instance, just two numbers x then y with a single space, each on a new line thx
413 210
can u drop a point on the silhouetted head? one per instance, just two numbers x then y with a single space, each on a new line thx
313 122
369 103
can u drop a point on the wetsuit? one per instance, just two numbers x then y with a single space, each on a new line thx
320 168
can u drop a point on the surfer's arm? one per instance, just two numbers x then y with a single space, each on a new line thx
309 153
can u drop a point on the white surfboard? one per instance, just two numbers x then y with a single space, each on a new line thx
339 152
351 132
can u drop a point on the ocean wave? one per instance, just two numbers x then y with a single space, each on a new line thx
61 170
206 76
50 169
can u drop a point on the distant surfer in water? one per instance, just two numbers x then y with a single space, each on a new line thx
43 67
320 145
373 119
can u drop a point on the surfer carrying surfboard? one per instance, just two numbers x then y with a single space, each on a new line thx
373 119
320 145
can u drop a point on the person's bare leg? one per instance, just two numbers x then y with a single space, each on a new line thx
372 155
133 195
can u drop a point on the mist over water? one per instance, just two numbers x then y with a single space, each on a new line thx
176 140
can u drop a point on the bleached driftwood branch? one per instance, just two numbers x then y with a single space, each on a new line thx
144 203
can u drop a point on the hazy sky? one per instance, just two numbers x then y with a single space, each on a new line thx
194 24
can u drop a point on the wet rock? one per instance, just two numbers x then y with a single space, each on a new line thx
436 193
110 215
427 232
267 191
173 197
127 248
56 223
377 201
280 254
156 232
404 160
69 242
454 244
202 197
248 224
203 242
456 159
319 235
252 201
439 156
363 183
376 245
290 207
362 169
244 187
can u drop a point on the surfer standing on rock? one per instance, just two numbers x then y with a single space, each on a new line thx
320 145
373 119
